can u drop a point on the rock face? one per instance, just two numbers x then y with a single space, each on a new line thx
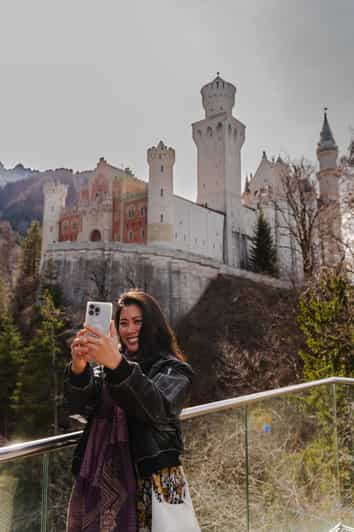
103 271
241 337
10 257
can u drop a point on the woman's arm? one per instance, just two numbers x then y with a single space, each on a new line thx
156 400
81 392
81 381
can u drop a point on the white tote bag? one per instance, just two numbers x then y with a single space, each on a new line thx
168 517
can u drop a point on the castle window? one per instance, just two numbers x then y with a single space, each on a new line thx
209 132
199 132
51 229
162 168
161 218
161 192
175 236
219 126
130 235
74 226
95 236
235 132
142 211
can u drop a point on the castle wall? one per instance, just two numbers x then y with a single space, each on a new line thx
197 229
103 271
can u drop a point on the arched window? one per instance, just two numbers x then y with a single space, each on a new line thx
95 236
209 132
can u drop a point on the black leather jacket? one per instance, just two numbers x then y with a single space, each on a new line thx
152 403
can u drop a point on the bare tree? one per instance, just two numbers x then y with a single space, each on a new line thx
313 223
298 211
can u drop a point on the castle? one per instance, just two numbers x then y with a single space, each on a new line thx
115 206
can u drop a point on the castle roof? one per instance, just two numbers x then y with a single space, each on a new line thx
327 141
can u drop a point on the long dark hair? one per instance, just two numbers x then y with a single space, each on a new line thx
156 335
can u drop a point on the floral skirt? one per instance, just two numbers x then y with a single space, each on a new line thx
168 484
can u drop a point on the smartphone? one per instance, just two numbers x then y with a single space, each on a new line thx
99 315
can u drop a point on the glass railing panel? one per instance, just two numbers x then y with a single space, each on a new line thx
21 485
214 461
345 435
293 476
60 481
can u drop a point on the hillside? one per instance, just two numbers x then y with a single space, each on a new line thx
22 201
241 338
10 257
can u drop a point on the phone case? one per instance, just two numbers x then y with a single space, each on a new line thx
99 315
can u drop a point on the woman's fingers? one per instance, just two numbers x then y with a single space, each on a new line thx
92 330
112 330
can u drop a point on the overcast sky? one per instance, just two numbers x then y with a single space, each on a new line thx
82 79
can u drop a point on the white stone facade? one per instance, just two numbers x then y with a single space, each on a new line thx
220 225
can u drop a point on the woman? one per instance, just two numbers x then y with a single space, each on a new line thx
137 392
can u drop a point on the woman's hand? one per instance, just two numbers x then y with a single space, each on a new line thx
101 348
79 353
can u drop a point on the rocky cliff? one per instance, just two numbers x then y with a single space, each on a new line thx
241 337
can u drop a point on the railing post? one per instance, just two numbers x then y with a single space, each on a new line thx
247 469
44 499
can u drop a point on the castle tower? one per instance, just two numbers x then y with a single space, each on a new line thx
54 201
327 154
329 189
160 194
219 138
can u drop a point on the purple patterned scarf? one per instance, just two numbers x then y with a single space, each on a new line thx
104 494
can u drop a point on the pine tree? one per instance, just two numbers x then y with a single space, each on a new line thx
263 254
39 387
326 317
49 283
28 282
32 251
11 359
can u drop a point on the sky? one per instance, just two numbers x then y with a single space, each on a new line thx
81 79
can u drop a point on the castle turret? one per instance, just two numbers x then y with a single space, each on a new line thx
327 154
54 202
219 139
329 188
160 195
218 97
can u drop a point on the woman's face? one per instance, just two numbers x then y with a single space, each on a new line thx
130 323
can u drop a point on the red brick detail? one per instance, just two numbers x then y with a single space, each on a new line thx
70 226
99 187
116 214
84 194
135 221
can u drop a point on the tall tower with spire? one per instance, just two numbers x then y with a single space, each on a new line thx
219 138
329 190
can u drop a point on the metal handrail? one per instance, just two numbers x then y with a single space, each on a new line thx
53 443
